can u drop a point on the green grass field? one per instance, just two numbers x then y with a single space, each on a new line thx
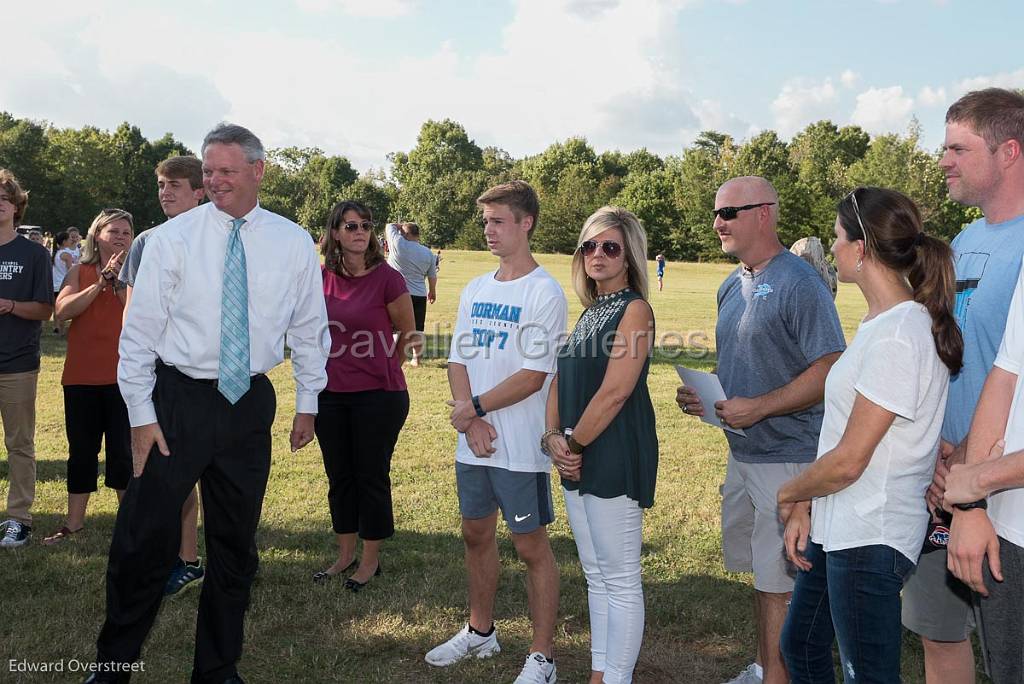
699 618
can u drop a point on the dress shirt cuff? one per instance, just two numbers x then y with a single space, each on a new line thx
143 414
307 403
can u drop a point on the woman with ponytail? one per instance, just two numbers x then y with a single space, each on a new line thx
855 518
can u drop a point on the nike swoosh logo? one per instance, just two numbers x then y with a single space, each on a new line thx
521 519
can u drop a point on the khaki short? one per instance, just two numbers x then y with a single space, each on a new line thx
751 530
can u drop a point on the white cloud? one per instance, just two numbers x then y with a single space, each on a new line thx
849 78
1005 79
360 8
883 110
550 74
802 102
931 97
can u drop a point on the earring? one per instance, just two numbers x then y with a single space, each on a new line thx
860 262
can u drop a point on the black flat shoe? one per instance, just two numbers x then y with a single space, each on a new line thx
355 587
323 576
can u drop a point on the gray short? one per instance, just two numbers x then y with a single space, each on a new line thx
936 605
524 498
751 530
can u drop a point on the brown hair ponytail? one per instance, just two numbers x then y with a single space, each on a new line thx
890 225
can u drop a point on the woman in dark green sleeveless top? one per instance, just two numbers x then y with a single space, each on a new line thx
601 433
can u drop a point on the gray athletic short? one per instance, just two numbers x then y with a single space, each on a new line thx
936 605
524 498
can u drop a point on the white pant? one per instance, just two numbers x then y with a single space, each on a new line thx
608 536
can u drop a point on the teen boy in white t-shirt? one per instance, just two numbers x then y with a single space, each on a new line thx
502 358
997 481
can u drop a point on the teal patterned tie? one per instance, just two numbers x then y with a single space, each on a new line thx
233 373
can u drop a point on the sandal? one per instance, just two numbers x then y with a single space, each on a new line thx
323 576
60 535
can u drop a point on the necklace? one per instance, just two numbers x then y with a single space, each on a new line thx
612 295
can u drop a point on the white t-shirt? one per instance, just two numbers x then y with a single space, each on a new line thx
60 269
1006 508
891 362
504 327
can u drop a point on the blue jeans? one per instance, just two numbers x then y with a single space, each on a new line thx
852 596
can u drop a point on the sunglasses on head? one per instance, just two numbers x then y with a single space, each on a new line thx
729 213
352 226
610 248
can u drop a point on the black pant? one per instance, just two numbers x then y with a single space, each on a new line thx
92 414
227 449
419 311
357 432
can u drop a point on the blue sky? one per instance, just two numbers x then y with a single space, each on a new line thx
358 77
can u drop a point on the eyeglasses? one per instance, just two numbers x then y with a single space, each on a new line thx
860 222
610 248
729 213
352 226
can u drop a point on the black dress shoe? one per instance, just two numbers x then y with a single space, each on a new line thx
323 576
235 679
355 587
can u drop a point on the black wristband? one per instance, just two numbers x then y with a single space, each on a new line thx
480 413
980 503
574 446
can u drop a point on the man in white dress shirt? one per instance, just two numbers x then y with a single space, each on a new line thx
219 289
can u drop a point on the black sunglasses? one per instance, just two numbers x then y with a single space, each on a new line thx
352 226
729 213
611 249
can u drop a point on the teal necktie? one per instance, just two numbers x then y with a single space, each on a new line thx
233 373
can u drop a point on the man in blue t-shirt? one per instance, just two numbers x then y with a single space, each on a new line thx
777 336
983 167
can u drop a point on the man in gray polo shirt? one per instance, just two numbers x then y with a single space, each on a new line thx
777 336
415 262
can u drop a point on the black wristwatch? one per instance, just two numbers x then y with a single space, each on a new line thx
574 446
480 413
980 503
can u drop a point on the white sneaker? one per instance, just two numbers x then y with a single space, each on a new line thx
537 670
15 535
465 644
747 676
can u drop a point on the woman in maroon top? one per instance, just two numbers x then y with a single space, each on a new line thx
366 402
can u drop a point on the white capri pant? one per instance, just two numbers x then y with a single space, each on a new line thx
608 536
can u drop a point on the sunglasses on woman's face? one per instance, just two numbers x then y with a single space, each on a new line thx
352 226
610 248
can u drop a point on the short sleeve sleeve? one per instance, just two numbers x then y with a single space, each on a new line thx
461 336
130 269
890 376
394 286
42 278
541 335
1011 351
813 319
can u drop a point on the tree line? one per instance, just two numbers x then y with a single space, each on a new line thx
73 173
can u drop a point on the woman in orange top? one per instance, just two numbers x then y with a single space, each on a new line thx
93 299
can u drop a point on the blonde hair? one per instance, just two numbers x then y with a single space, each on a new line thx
90 251
635 252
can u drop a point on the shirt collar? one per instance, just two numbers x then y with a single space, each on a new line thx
225 219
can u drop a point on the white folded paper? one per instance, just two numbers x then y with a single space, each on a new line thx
709 388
